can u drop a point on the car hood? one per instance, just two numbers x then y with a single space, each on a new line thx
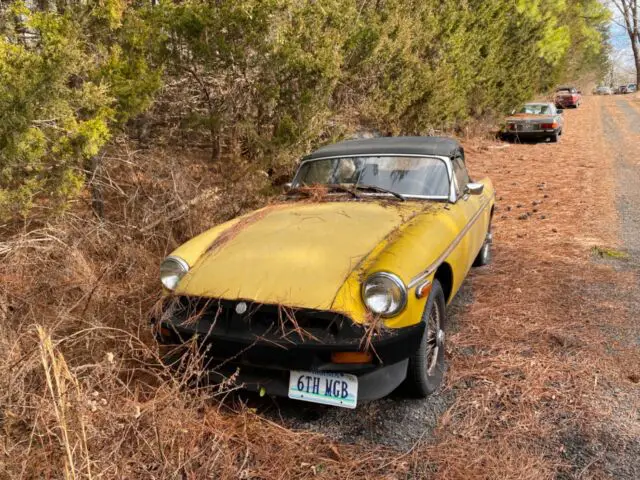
293 254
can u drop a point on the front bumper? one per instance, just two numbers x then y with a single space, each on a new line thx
372 385
259 347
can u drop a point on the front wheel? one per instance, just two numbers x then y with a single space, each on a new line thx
426 364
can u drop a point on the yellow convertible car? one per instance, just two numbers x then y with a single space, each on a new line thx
337 293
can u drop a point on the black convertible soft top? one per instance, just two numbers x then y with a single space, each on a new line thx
441 146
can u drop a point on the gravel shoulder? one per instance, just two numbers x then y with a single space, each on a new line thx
622 127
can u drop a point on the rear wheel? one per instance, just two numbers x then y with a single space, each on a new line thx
426 364
554 137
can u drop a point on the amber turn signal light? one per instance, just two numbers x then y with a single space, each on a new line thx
424 289
351 357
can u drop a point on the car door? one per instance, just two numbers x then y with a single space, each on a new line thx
468 207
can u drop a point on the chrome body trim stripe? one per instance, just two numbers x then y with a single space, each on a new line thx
433 267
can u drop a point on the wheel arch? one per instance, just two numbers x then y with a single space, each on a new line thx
444 275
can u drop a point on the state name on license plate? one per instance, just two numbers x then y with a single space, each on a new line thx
328 388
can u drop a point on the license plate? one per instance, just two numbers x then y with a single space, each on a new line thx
337 389
526 127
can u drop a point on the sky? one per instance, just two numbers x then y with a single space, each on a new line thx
622 56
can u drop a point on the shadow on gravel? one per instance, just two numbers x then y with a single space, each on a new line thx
608 452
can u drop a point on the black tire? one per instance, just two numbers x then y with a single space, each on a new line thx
426 365
484 255
554 137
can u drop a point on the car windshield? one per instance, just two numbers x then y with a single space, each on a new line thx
411 176
535 109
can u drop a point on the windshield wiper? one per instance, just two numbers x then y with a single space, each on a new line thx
350 188
375 188
329 186
343 188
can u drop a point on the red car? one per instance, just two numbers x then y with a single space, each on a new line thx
568 97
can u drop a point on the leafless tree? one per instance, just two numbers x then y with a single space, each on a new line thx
628 10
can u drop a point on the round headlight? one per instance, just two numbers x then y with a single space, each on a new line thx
384 294
172 269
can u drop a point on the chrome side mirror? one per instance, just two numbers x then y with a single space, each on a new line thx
474 188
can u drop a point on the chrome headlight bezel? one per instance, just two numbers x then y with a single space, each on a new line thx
172 269
394 282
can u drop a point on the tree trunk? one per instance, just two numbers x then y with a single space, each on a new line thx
216 146
635 46
215 133
97 196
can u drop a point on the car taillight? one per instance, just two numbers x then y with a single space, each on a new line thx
512 126
549 125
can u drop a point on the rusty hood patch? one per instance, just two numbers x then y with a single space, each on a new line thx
295 254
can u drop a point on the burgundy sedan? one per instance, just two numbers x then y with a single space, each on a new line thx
568 97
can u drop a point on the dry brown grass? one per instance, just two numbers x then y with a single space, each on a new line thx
84 395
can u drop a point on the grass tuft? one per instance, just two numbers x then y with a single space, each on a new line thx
606 252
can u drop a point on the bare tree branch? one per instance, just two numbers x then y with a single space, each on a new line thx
628 10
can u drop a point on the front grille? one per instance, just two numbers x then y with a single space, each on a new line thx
274 338
272 323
